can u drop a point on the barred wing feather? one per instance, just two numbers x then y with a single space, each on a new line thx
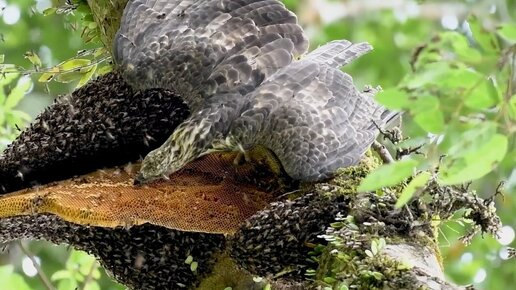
204 47
311 115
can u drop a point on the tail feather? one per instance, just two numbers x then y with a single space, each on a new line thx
339 53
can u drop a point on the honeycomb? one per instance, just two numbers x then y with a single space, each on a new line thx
210 195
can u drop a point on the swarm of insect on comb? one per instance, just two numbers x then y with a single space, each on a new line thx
279 238
140 257
210 195
144 235
102 124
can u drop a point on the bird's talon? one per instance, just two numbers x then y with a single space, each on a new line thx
238 159
247 156
138 180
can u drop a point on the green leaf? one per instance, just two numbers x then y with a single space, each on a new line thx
462 79
60 275
416 184
73 64
49 11
12 280
46 77
430 75
428 114
467 141
86 264
393 98
2 58
18 92
377 275
482 96
2 117
67 284
92 25
431 121
88 18
475 164
512 107
83 8
507 31
381 244
78 258
98 52
329 280
7 78
15 117
33 58
87 76
461 46
68 77
92 285
193 266
15 281
485 39
189 260
104 70
388 175
374 247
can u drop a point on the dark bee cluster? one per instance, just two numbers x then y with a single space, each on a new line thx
102 124
278 239
141 257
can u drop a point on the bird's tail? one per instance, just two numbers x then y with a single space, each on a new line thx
383 117
339 53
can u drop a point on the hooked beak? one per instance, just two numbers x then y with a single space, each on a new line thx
139 180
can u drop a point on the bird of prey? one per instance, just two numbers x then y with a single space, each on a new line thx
234 63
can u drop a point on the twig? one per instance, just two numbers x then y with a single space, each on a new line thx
382 151
21 70
400 152
88 277
394 135
44 279
511 253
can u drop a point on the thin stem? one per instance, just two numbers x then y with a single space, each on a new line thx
382 151
44 279
88 277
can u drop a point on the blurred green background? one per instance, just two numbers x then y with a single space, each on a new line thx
396 28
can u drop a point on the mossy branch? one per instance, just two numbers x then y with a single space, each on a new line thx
107 15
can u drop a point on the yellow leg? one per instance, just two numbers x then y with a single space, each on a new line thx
267 157
238 159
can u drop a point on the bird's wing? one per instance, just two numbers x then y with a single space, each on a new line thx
202 47
311 114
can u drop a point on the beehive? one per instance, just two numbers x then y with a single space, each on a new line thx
210 195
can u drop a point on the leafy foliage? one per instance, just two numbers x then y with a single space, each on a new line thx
78 69
458 95
12 90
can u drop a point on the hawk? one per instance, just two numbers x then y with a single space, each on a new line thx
236 64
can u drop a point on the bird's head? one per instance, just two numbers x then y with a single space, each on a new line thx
186 143
154 166
159 164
